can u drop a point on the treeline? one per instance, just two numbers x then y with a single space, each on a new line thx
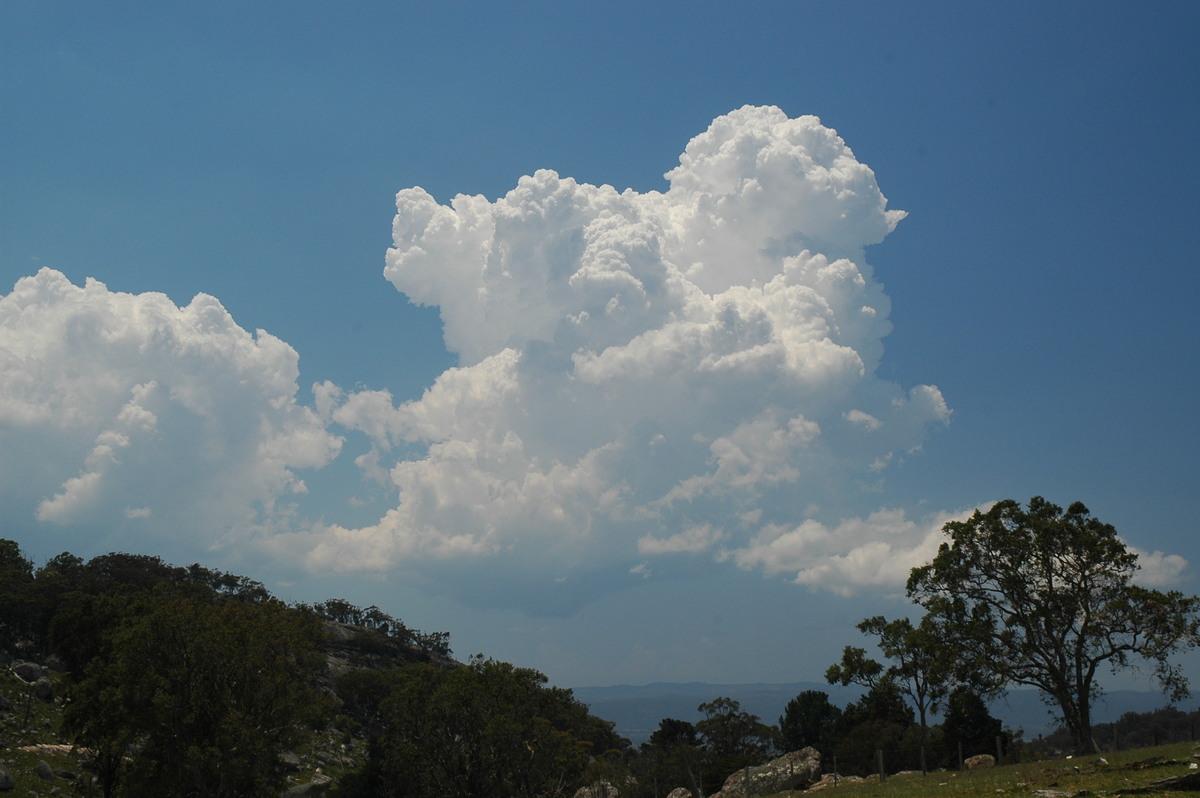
190 681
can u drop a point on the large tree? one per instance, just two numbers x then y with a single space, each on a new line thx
1039 597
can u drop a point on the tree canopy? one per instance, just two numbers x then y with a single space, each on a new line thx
1039 597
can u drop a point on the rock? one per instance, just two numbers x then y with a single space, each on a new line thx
28 671
7 782
43 689
830 780
680 792
290 760
44 771
317 788
795 771
600 789
5 704
980 762
55 663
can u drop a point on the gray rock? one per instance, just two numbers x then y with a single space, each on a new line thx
28 671
680 792
44 771
317 788
980 762
795 771
43 689
601 789
7 782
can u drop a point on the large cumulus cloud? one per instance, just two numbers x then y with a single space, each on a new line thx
645 375
125 417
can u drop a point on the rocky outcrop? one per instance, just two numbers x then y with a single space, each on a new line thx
980 762
29 671
601 789
795 771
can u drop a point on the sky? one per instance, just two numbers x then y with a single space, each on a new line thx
631 342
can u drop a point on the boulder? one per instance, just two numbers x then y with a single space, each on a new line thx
600 789
317 788
980 762
44 771
7 782
795 771
680 792
28 671
830 780
43 689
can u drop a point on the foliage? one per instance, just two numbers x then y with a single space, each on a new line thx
1038 597
810 719
671 758
209 692
969 723
486 729
732 739
920 665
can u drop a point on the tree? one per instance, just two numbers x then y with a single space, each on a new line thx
16 593
206 693
810 719
879 721
489 728
672 758
920 666
732 737
1044 598
969 723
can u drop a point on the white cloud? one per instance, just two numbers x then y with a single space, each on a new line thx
690 541
119 408
1156 569
879 550
641 373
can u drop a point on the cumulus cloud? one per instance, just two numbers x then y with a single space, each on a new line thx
123 414
642 374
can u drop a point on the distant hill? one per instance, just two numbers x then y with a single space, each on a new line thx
637 709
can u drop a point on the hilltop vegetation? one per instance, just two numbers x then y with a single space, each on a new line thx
167 680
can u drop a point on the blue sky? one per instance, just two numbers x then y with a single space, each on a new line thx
614 480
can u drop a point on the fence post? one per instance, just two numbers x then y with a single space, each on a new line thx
879 760
999 750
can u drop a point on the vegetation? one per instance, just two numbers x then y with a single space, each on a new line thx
1038 597
194 682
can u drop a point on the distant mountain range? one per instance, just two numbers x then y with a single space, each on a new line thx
637 709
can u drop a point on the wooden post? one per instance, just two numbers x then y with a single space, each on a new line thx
999 750
961 766
879 761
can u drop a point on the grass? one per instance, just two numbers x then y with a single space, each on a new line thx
1123 772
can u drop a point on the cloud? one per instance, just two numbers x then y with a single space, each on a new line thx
1157 570
879 550
644 373
122 415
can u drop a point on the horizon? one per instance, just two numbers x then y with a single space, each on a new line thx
648 342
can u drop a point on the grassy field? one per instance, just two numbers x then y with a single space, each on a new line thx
1122 773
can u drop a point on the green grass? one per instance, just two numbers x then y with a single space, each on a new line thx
1111 774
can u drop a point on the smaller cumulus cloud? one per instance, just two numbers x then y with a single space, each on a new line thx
1156 569
124 414
879 550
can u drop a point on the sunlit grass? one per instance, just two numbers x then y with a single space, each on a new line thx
1109 774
